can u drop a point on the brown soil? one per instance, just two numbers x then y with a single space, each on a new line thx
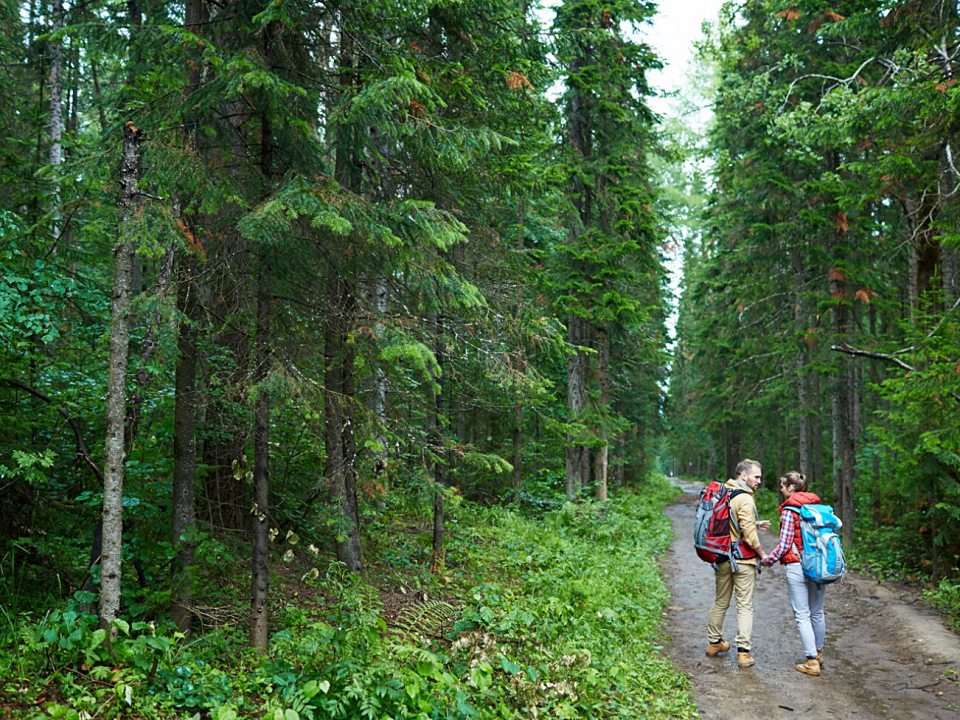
884 658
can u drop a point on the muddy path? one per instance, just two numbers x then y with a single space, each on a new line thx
884 658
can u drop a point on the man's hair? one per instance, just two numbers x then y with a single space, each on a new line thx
745 465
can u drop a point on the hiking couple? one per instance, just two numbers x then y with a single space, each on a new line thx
740 575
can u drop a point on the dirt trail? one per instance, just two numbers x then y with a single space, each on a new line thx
884 658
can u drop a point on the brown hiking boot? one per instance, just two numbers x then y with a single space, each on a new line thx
820 657
744 660
717 648
810 667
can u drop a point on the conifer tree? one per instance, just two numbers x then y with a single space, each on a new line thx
612 240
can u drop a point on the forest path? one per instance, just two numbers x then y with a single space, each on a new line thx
884 658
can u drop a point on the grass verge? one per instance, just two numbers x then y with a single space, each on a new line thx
556 616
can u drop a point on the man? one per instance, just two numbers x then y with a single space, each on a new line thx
743 509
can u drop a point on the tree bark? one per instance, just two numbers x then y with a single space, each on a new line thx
842 418
379 397
875 380
185 393
140 377
338 428
802 362
185 448
339 353
816 428
110 571
603 349
518 406
56 110
260 576
576 401
436 441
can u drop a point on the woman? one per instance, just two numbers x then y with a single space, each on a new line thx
806 596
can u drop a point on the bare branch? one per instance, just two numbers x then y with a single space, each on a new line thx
81 445
847 348
838 81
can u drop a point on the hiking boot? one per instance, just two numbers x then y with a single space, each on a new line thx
810 667
820 657
744 660
719 647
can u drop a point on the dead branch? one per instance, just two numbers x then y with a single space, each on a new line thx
82 451
847 348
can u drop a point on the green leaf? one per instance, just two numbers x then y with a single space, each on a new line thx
510 667
97 638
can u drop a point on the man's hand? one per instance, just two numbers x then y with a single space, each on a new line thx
767 561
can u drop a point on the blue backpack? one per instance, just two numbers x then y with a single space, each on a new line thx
822 557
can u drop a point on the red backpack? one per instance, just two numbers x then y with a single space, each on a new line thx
711 532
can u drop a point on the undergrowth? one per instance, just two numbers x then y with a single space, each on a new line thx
556 616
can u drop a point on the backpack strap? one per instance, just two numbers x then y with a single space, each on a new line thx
736 523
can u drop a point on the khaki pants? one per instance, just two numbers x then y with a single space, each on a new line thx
744 581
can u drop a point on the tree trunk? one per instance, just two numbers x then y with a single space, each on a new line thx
518 452
339 352
56 110
338 422
140 377
731 448
260 577
576 401
842 418
185 448
816 428
581 193
379 398
436 442
802 362
875 380
110 561
602 455
347 435
518 406
926 257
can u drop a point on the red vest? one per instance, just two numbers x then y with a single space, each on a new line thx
796 500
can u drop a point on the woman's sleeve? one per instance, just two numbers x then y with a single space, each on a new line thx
786 535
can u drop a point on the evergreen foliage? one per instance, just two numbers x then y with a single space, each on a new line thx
818 321
355 257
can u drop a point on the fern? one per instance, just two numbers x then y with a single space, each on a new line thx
430 618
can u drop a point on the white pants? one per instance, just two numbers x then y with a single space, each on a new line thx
806 597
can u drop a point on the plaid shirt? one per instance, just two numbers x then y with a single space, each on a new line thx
788 524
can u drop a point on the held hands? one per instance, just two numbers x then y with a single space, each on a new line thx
766 561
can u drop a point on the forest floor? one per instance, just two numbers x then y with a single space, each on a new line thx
886 655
